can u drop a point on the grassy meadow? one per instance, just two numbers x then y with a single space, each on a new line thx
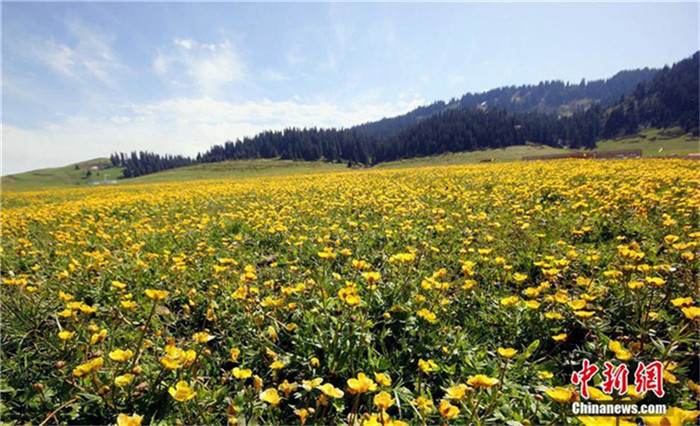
463 294
653 142
66 176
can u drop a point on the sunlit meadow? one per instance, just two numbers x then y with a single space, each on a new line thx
457 295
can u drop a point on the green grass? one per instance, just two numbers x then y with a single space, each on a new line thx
239 169
511 153
65 176
653 142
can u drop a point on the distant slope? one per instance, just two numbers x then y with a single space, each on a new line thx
670 99
653 142
553 113
71 175
546 97
238 169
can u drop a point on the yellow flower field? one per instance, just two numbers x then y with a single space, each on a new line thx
458 295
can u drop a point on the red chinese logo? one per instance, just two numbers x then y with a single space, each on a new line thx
584 376
647 378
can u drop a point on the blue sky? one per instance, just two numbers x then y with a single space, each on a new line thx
81 80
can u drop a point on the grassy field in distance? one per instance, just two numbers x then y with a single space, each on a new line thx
65 176
511 153
653 142
239 168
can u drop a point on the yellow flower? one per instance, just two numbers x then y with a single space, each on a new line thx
423 404
311 384
447 410
257 383
118 284
403 258
383 400
66 335
89 367
584 314
157 295
270 396
65 313
119 355
371 277
545 375
127 420
682 302
670 239
182 391
349 296
507 353
635 285
674 416
427 366
620 352
241 374
519 277
87 309
303 415
201 337
427 315
330 390
532 304
382 379
381 419
669 377
691 313
98 337
577 304
456 393
655 281
560 337
598 395
510 301
560 395
277 365
123 380
240 293
482 381
361 384
606 421
694 387
235 353
128 304
287 388
553 315
315 363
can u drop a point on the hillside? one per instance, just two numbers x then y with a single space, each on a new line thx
66 176
239 169
671 98
652 142
552 113
555 97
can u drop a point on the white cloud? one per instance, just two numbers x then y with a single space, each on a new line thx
272 75
88 55
177 126
206 66
185 43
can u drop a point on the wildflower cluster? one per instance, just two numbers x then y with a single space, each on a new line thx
462 294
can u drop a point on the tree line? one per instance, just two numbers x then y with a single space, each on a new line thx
668 99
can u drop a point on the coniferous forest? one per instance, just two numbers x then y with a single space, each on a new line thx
551 113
